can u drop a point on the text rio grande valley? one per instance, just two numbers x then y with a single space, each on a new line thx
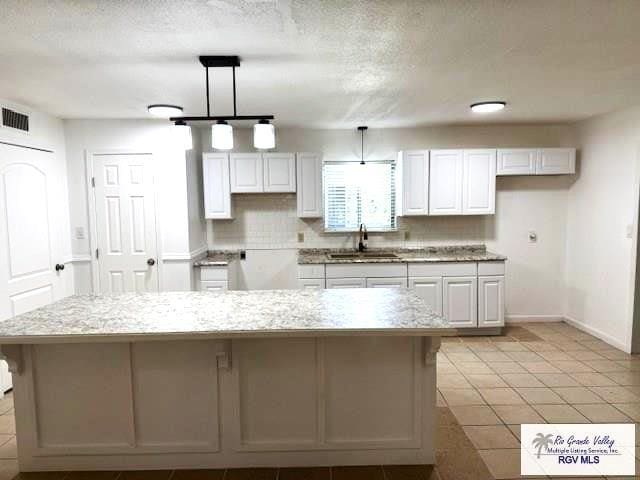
582 450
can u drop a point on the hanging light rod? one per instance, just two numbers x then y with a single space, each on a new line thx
220 61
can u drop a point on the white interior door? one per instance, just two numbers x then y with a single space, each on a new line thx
125 223
33 203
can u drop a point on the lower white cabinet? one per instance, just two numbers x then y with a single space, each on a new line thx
430 290
311 283
219 278
346 283
214 285
386 282
459 300
491 301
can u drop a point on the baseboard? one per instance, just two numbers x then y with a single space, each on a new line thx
614 342
533 318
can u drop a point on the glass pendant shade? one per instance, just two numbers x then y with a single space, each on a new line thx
182 133
222 136
264 135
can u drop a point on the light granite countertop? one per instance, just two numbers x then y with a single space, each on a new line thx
217 258
197 315
466 253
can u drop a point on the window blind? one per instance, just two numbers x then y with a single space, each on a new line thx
355 194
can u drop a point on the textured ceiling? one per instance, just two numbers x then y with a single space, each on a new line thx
325 63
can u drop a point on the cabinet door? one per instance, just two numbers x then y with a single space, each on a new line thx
311 283
459 298
430 290
215 176
517 161
386 282
346 283
445 182
246 173
413 176
214 286
309 185
556 161
479 182
279 171
491 301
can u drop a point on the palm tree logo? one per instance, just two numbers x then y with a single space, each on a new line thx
542 441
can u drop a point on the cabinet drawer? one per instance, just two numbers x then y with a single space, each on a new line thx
346 283
214 273
491 268
311 271
443 269
214 286
387 282
345 270
311 283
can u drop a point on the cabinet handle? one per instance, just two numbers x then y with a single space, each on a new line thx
59 266
151 262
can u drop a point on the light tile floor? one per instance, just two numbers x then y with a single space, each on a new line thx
488 386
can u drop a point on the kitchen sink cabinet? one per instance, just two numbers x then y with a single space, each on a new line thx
430 290
355 282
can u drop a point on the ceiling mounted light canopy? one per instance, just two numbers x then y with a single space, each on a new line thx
488 107
164 111
362 129
221 131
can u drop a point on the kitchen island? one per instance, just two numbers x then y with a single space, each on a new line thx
202 380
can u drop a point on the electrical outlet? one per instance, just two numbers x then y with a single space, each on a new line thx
407 235
533 237
243 254
300 237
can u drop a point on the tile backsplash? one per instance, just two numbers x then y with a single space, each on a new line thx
270 221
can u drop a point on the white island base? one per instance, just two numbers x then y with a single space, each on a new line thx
216 403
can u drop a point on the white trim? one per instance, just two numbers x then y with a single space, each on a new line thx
533 318
184 257
80 258
599 334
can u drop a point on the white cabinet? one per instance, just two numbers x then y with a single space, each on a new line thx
412 170
459 299
445 182
386 282
214 285
279 172
346 283
517 161
430 290
556 161
218 278
311 283
246 173
479 182
217 194
491 301
262 172
309 183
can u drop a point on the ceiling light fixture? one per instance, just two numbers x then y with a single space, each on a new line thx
488 107
182 133
164 111
221 131
362 129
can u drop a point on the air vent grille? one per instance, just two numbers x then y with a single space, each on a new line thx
16 120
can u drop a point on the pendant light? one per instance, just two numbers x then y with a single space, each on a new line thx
362 129
222 135
182 133
264 135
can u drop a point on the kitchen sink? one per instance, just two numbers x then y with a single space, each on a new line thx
357 255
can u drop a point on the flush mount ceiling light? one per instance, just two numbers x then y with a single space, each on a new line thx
488 107
164 111
362 129
221 131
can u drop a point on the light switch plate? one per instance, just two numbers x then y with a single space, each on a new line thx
300 237
533 237
407 235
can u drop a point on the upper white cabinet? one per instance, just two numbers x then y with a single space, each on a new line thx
536 161
445 181
262 172
217 194
462 182
479 182
517 161
413 182
279 172
556 161
309 180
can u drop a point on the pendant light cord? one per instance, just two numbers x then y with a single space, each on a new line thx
362 129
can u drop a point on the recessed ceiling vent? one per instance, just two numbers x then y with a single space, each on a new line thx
13 119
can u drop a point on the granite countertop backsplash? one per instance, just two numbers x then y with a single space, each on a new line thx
217 258
457 253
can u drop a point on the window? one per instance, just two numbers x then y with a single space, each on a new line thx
355 194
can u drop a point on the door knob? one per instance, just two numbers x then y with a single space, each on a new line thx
59 266
151 262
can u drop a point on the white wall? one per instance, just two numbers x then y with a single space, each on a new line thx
602 227
179 216
267 226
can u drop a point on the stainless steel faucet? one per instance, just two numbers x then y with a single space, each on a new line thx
362 245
